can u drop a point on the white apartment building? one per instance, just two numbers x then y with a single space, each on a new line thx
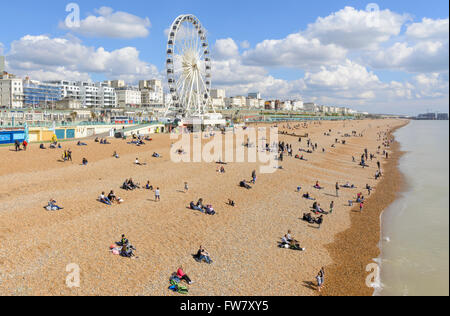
236 102
11 91
152 93
251 103
218 103
129 97
286 106
297 105
310 107
90 95
218 94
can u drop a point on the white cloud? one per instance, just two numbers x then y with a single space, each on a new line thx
45 57
1 48
432 85
225 49
356 29
112 25
294 51
245 44
429 29
425 56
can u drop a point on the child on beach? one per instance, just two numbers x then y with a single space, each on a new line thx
361 206
157 195
331 207
186 187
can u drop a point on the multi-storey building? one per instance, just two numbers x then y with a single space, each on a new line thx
129 97
90 95
254 95
218 94
152 94
11 91
38 94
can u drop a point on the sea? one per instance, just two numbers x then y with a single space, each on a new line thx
414 258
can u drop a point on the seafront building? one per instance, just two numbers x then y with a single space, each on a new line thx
38 94
11 91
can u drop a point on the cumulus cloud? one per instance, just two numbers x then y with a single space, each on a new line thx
429 29
45 57
356 29
245 44
294 51
425 56
112 25
225 49
346 76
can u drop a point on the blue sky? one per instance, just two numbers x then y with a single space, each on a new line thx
229 23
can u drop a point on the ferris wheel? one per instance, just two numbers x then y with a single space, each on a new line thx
188 66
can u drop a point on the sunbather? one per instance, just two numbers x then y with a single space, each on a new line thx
244 184
51 206
102 198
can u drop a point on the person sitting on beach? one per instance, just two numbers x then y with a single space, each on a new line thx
125 186
348 186
96 140
180 151
209 210
194 207
148 186
308 196
308 218
103 199
51 206
127 251
42 146
231 203
156 155
85 162
114 199
202 255
115 155
123 241
132 185
243 184
319 220
81 144
317 186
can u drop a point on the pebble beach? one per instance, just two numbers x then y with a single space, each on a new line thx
36 245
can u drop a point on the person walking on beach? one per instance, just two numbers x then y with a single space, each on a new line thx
361 206
186 187
254 176
320 279
69 155
379 165
337 189
331 207
157 195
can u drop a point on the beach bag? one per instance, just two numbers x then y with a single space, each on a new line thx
182 289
